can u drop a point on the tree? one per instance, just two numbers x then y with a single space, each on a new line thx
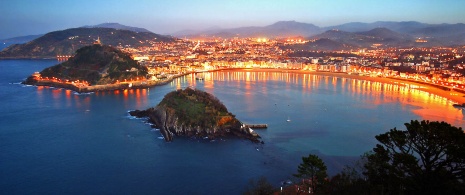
313 169
259 187
427 158
349 181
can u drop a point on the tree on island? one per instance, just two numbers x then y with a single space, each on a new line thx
427 158
312 169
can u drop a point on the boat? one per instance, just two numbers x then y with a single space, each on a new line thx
459 105
199 78
288 119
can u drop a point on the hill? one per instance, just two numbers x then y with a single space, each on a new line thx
401 27
194 113
278 29
435 34
382 36
95 64
66 42
401 33
322 44
117 26
17 40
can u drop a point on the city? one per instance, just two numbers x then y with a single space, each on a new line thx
232 97
439 66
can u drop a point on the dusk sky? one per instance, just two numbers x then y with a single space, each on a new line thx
30 17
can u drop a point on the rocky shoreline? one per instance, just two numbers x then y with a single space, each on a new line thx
171 123
166 122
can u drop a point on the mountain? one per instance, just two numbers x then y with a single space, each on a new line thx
194 113
66 42
21 39
447 34
322 44
17 40
386 32
278 29
402 27
435 34
95 64
24 39
117 26
381 36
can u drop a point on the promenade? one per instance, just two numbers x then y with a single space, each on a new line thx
457 96
453 95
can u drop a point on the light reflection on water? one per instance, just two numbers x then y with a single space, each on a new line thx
335 118
247 85
426 105
318 106
331 115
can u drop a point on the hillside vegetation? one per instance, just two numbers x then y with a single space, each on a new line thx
195 113
97 64
66 42
197 108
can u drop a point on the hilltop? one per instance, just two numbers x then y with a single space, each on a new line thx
117 26
194 113
96 64
66 42
382 36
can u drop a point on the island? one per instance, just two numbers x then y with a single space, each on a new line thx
195 113
97 68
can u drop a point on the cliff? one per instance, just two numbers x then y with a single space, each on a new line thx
195 113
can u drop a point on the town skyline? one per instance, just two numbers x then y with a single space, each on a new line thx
27 17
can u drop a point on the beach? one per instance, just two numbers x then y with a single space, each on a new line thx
454 96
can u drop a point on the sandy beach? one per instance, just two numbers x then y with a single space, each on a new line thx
454 96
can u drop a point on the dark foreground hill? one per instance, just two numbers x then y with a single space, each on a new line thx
195 113
66 42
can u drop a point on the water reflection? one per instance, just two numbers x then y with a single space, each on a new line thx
368 94
372 94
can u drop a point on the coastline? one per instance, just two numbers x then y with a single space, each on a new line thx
107 87
452 95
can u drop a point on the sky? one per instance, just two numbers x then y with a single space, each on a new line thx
31 17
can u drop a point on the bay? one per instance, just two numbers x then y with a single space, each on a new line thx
54 141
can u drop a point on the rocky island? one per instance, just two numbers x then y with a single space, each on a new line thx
195 113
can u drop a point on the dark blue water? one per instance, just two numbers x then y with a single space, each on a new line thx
53 141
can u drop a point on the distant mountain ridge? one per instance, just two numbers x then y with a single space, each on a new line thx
117 26
436 34
401 27
381 36
354 34
278 29
17 40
